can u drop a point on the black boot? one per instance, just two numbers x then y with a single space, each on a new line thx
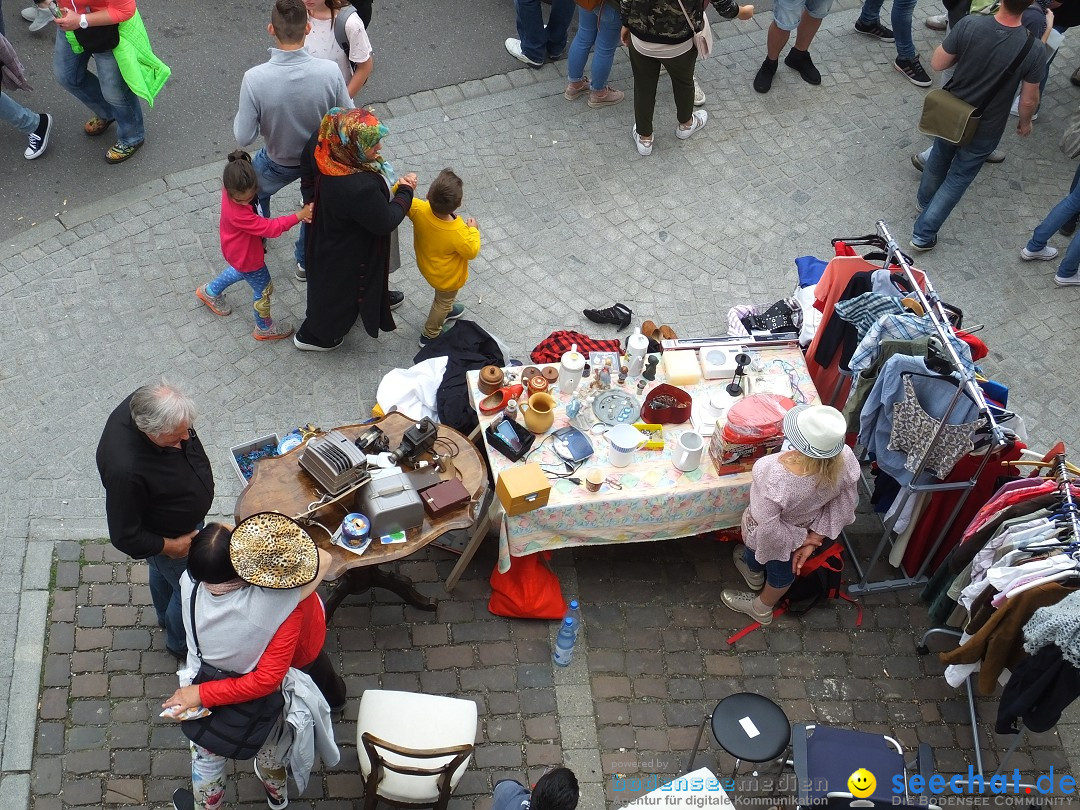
619 315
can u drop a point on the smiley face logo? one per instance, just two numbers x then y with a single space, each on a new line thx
861 783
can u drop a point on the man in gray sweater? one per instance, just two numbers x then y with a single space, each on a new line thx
285 100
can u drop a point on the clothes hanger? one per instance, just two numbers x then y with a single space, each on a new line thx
1053 463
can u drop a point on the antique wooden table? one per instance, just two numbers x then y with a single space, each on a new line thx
280 484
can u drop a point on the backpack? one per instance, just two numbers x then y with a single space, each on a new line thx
818 580
361 7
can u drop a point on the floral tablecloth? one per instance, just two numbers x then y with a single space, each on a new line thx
649 499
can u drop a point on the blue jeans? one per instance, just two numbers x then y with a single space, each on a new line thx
273 177
948 172
261 288
778 573
537 42
165 592
106 93
599 32
1061 213
901 23
14 113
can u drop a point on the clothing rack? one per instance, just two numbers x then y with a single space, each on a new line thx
1073 513
939 320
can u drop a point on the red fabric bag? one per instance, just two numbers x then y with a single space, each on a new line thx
529 590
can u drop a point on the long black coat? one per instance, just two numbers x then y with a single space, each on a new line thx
348 250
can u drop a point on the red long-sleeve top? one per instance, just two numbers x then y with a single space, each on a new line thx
242 232
296 643
119 10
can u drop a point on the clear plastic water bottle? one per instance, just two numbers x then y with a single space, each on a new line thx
564 644
574 613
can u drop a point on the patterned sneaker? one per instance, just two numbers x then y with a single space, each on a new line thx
756 581
97 126
876 30
743 602
275 331
119 152
644 147
217 303
397 298
576 89
913 69
1047 254
697 121
456 311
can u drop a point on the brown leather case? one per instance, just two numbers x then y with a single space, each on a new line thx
444 497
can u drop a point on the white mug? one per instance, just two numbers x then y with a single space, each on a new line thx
688 450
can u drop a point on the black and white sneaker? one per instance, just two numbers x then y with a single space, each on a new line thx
38 140
876 30
913 69
397 298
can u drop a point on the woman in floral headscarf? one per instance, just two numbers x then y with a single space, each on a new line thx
359 203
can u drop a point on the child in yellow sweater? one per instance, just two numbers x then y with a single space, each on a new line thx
444 243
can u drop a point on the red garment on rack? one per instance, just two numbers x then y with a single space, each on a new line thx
942 504
830 287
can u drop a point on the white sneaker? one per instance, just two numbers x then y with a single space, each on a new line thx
1067 281
937 22
743 602
1047 254
756 581
997 156
697 121
42 18
513 47
699 94
29 13
301 272
644 149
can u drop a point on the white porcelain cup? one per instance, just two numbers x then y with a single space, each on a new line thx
688 450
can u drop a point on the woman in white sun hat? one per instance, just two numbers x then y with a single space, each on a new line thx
799 497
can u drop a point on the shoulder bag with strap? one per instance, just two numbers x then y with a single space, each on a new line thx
340 36
233 730
702 38
947 117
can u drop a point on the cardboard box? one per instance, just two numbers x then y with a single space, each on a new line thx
523 488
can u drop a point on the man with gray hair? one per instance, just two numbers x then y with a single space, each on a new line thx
158 488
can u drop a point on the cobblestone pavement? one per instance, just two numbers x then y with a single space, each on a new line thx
100 301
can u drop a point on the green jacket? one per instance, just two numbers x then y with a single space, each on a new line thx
143 72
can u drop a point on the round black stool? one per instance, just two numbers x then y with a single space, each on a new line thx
749 727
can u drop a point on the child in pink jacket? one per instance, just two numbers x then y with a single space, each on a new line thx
242 233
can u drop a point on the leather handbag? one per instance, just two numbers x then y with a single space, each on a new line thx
947 117
703 40
232 730
1070 139
99 38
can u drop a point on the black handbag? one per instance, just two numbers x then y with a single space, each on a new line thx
99 38
233 730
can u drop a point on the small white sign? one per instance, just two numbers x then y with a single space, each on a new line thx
749 727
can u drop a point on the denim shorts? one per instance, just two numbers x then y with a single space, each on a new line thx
778 573
788 13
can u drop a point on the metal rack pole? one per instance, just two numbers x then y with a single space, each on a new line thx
931 304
